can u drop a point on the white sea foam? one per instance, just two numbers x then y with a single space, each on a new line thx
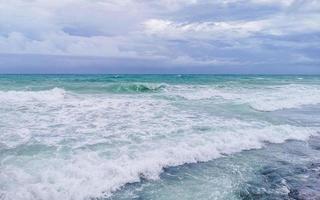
264 98
66 146
88 174
25 96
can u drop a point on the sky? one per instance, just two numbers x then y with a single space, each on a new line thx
160 36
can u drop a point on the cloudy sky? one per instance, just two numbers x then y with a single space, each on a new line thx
160 36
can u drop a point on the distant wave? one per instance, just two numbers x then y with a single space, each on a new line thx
269 98
134 87
59 93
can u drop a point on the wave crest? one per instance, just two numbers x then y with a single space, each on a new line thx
44 95
136 88
269 98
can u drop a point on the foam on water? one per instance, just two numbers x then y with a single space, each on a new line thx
22 96
59 145
268 98
85 174
65 144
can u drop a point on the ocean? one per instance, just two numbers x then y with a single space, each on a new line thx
110 137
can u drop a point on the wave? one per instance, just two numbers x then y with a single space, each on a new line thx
87 174
44 95
60 93
134 87
269 98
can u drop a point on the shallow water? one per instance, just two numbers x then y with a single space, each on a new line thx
159 137
278 171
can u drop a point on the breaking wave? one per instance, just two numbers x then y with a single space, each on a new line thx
88 174
44 95
264 98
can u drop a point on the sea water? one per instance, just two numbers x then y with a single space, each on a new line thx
159 137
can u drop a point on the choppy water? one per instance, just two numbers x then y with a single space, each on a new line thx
159 137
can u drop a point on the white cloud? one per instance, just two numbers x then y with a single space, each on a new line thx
175 4
221 30
282 3
275 2
204 30
185 60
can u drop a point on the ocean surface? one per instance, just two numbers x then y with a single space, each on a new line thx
162 137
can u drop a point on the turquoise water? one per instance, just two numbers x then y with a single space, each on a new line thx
159 137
